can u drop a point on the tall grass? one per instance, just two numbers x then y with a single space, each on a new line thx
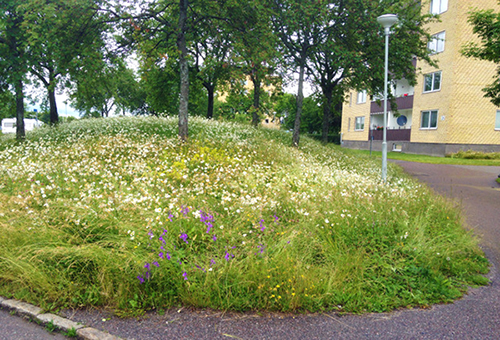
120 213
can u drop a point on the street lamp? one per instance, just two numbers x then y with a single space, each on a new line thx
386 20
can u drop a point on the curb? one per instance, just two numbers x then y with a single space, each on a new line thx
35 313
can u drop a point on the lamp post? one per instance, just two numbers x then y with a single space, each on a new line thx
386 20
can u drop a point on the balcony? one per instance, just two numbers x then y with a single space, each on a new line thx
404 102
397 134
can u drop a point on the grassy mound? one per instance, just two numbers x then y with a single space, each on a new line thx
120 213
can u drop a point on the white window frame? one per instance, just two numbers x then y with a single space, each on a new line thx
349 125
438 6
361 97
436 44
433 81
429 119
497 121
359 123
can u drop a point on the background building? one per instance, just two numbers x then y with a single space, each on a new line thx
446 111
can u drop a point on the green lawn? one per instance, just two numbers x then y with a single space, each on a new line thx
428 159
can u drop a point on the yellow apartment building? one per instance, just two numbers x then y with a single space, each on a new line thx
446 111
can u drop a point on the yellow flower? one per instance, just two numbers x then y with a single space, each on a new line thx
293 294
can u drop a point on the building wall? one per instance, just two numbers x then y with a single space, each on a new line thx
350 111
465 116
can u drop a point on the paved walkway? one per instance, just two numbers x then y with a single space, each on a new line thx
476 316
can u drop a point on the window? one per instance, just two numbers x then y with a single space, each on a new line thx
497 121
439 6
349 124
360 124
361 97
436 44
429 119
432 82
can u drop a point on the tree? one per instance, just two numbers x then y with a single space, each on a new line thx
486 24
107 88
254 45
212 48
13 61
63 37
297 23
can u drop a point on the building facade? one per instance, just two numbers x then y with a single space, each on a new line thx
446 111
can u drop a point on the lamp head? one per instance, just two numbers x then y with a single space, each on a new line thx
387 20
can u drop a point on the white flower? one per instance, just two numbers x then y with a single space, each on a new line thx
222 227
326 220
158 210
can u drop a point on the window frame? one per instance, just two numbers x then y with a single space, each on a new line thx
433 81
361 123
497 121
436 40
361 99
429 119
441 5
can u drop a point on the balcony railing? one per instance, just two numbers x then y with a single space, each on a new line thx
405 102
397 134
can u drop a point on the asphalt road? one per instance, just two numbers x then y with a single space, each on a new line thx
476 316
17 328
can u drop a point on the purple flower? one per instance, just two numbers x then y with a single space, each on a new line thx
170 217
164 232
185 275
150 233
147 266
214 237
184 237
161 256
228 256
184 210
156 264
276 218
168 256
147 275
162 240
209 225
140 278
212 261
262 228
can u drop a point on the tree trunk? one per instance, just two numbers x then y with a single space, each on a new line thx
300 100
256 100
210 108
184 71
54 116
20 133
327 113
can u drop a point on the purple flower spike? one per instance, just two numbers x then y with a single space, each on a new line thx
156 264
214 237
147 275
168 256
262 228
212 261
150 233
147 266
161 256
141 279
170 216
162 240
185 275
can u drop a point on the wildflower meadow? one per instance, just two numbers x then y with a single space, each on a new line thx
120 213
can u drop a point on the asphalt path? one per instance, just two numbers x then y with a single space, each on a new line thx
476 316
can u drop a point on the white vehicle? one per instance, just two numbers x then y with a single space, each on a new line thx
9 124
